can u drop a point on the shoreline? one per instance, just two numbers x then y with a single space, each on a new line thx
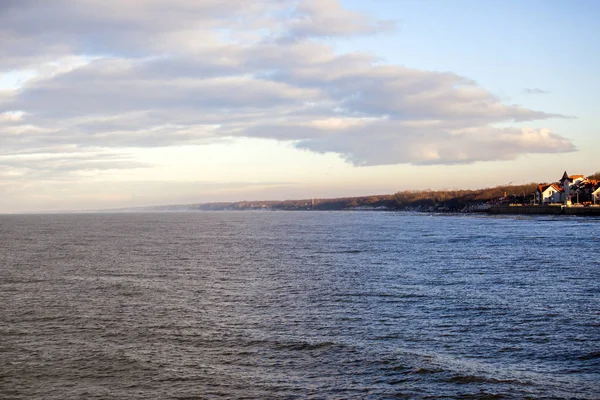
515 209
546 210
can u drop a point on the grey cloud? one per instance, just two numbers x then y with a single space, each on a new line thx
387 142
405 93
62 166
37 31
29 140
392 143
109 87
329 18
535 91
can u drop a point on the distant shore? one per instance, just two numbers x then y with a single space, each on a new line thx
511 199
346 205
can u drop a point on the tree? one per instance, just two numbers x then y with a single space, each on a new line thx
595 176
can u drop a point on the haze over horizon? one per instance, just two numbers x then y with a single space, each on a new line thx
109 104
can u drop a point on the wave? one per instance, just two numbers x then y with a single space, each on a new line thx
299 345
590 356
350 251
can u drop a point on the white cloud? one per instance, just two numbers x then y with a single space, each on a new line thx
162 73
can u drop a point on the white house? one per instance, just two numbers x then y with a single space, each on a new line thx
549 194
596 196
576 179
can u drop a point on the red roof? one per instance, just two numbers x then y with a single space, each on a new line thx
542 188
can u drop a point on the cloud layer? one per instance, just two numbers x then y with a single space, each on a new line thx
111 75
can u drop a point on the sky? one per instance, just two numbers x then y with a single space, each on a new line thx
125 103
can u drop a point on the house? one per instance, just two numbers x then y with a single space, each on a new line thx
565 184
596 196
575 179
571 185
582 189
551 193
569 188
565 178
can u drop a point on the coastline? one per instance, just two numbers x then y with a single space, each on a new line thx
546 210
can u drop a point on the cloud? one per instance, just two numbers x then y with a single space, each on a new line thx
62 166
312 18
535 91
393 142
159 74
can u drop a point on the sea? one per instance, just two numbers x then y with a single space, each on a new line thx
299 305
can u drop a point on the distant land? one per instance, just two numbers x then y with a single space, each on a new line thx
413 200
451 201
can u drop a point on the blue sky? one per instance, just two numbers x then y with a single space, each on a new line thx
506 47
104 105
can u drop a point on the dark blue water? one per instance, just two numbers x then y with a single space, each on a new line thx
298 305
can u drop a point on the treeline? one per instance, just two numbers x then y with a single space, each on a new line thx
456 198
595 176
428 200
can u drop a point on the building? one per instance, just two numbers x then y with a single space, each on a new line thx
565 184
596 196
575 179
567 189
551 193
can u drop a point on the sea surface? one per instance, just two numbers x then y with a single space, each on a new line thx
299 305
